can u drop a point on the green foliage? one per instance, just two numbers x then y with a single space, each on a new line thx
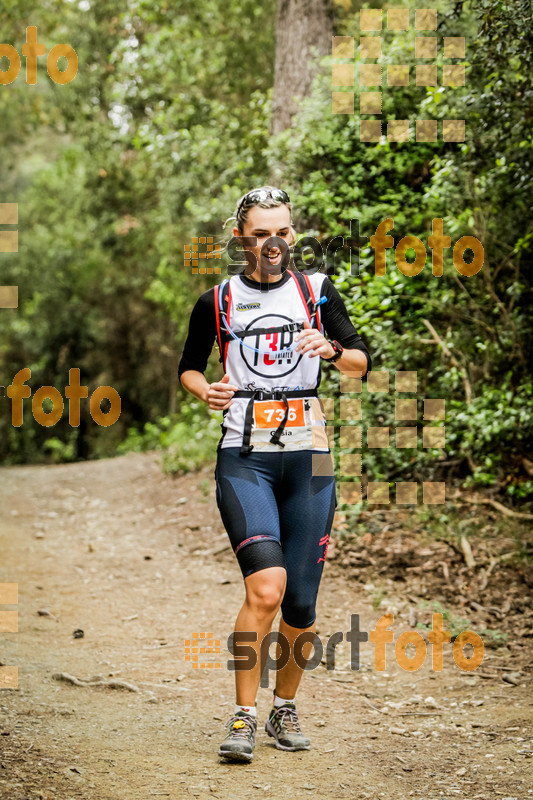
495 423
466 337
188 440
492 637
148 146
59 451
189 448
165 125
153 436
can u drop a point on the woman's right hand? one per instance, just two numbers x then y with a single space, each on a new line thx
219 395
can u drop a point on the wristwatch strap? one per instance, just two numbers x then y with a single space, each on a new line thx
338 348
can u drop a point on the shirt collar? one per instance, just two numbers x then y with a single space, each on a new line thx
265 286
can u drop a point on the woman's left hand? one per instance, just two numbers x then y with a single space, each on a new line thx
311 341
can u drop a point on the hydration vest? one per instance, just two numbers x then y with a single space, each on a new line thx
222 304
223 299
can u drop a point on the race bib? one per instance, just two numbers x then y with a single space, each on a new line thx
268 413
300 429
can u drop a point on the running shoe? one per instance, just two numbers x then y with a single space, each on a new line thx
240 742
283 725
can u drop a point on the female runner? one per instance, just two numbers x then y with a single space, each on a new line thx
275 485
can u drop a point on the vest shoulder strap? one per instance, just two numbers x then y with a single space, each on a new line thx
222 301
308 297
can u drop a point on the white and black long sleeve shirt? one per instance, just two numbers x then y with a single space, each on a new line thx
255 305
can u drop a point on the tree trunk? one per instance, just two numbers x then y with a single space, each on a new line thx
303 30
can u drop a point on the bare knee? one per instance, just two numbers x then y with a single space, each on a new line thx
264 593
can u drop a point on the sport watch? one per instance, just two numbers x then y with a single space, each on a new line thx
338 351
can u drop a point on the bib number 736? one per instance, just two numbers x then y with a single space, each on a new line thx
272 411
277 414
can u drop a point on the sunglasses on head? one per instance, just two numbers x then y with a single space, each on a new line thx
260 195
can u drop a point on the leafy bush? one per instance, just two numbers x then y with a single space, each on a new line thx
188 440
467 337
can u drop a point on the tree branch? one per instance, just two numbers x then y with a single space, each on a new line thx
446 351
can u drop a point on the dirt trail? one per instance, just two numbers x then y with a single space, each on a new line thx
134 558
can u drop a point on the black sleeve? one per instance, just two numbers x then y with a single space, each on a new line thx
201 336
338 324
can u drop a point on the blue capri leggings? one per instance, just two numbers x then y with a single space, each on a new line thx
278 510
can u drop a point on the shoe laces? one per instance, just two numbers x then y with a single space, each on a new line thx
244 732
288 716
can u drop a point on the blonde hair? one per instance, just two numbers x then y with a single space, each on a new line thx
241 210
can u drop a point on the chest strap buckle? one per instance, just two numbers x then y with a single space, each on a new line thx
293 327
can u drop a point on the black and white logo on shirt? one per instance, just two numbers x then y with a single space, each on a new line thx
274 356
